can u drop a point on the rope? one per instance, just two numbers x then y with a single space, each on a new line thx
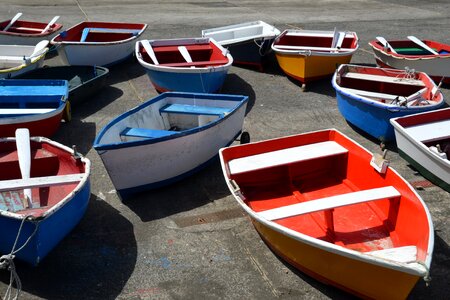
7 262
427 277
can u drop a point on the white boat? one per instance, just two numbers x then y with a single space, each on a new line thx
19 59
168 138
247 42
97 43
424 141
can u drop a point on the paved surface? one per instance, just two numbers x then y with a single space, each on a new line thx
191 240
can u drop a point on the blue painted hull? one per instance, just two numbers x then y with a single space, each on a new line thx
206 82
372 117
51 229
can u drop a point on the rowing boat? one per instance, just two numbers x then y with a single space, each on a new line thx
168 138
38 105
308 55
19 59
317 202
249 43
196 65
97 43
20 32
424 141
49 201
427 56
368 97
84 81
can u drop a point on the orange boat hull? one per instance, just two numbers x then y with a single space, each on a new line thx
359 278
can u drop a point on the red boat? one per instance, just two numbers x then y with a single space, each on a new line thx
18 32
318 202
38 105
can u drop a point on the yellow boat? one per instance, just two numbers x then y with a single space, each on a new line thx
308 55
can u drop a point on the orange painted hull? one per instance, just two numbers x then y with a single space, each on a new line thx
310 68
359 278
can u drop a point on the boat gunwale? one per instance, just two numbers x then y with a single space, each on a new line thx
52 30
79 43
188 69
269 36
240 99
387 106
307 52
379 48
68 197
414 268
400 129
33 61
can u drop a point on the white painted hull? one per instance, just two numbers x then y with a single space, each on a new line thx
171 144
421 155
12 62
94 54
435 66
22 40
237 33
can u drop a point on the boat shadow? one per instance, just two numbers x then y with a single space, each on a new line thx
78 133
126 70
439 272
234 84
195 191
87 264
389 145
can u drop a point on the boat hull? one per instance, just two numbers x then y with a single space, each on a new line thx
38 125
372 119
97 43
22 69
201 82
432 167
27 32
95 54
55 208
357 277
155 162
306 68
50 230
250 53
84 81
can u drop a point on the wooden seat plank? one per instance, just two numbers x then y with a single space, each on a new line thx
430 131
285 156
146 132
382 78
194 109
36 182
330 202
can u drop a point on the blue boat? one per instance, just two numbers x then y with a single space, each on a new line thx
196 65
369 97
48 197
168 138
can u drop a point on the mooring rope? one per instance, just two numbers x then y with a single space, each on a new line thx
7 262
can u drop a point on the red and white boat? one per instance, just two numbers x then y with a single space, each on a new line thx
424 141
19 32
318 202
426 56
98 43
38 105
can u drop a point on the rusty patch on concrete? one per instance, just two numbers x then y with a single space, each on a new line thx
421 184
209 218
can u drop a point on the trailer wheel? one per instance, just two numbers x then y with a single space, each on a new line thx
245 137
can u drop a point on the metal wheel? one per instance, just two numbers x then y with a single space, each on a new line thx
245 137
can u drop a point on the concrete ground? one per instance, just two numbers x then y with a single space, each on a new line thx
191 240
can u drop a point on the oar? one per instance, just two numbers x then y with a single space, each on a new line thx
385 44
13 20
422 44
50 24
184 52
24 154
150 51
